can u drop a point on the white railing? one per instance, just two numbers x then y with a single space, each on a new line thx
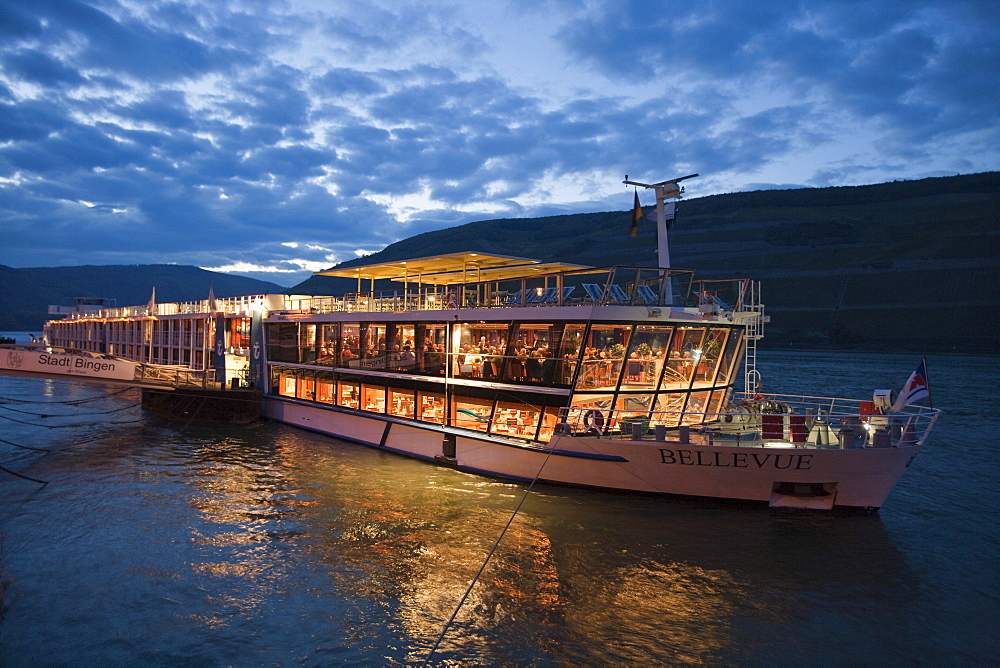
771 421
174 376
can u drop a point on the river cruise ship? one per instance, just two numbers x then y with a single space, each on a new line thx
620 378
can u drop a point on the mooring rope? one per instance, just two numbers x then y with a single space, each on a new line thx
48 415
65 426
489 556
68 402
21 475
25 447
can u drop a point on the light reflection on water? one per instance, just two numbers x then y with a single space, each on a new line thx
272 545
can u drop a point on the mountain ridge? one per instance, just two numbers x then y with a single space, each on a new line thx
27 292
911 265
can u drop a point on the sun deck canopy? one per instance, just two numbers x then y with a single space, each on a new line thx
453 268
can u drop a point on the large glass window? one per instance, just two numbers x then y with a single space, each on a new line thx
478 349
682 360
402 349
531 356
633 405
374 346
668 407
728 357
326 343
710 354
432 349
351 342
697 407
604 355
307 343
283 342
646 355
567 359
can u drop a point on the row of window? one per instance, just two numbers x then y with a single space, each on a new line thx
175 341
472 409
595 356
508 418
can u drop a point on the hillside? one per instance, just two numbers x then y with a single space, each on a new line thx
910 265
26 293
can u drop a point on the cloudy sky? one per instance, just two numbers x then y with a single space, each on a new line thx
273 138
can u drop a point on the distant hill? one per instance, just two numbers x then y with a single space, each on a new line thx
25 294
908 265
904 265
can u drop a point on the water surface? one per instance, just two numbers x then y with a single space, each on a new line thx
269 545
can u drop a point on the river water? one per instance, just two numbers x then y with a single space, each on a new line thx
153 545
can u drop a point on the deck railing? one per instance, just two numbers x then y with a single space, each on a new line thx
771 421
174 376
602 286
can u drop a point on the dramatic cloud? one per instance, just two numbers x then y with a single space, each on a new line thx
274 139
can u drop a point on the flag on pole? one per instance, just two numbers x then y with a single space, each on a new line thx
637 215
916 387
212 306
151 306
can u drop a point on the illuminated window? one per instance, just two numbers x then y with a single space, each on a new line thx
351 334
324 391
326 343
431 406
306 388
431 350
549 420
472 413
348 394
402 402
373 398
516 419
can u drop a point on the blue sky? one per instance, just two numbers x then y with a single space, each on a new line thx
273 139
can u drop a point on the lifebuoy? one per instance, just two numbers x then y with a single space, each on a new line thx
452 299
594 419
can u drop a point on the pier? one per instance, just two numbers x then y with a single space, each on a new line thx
176 393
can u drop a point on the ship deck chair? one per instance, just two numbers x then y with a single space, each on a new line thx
594 292
647 294
618 295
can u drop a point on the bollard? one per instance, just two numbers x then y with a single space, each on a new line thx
661 432
684 434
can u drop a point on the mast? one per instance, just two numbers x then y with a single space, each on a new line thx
667 194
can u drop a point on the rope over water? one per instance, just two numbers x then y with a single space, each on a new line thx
489 556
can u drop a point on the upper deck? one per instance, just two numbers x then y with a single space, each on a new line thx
476 281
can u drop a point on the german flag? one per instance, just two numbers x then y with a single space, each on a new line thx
637 215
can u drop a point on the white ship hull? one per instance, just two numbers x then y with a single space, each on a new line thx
805 477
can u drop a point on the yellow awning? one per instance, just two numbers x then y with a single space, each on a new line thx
466 261
500 273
